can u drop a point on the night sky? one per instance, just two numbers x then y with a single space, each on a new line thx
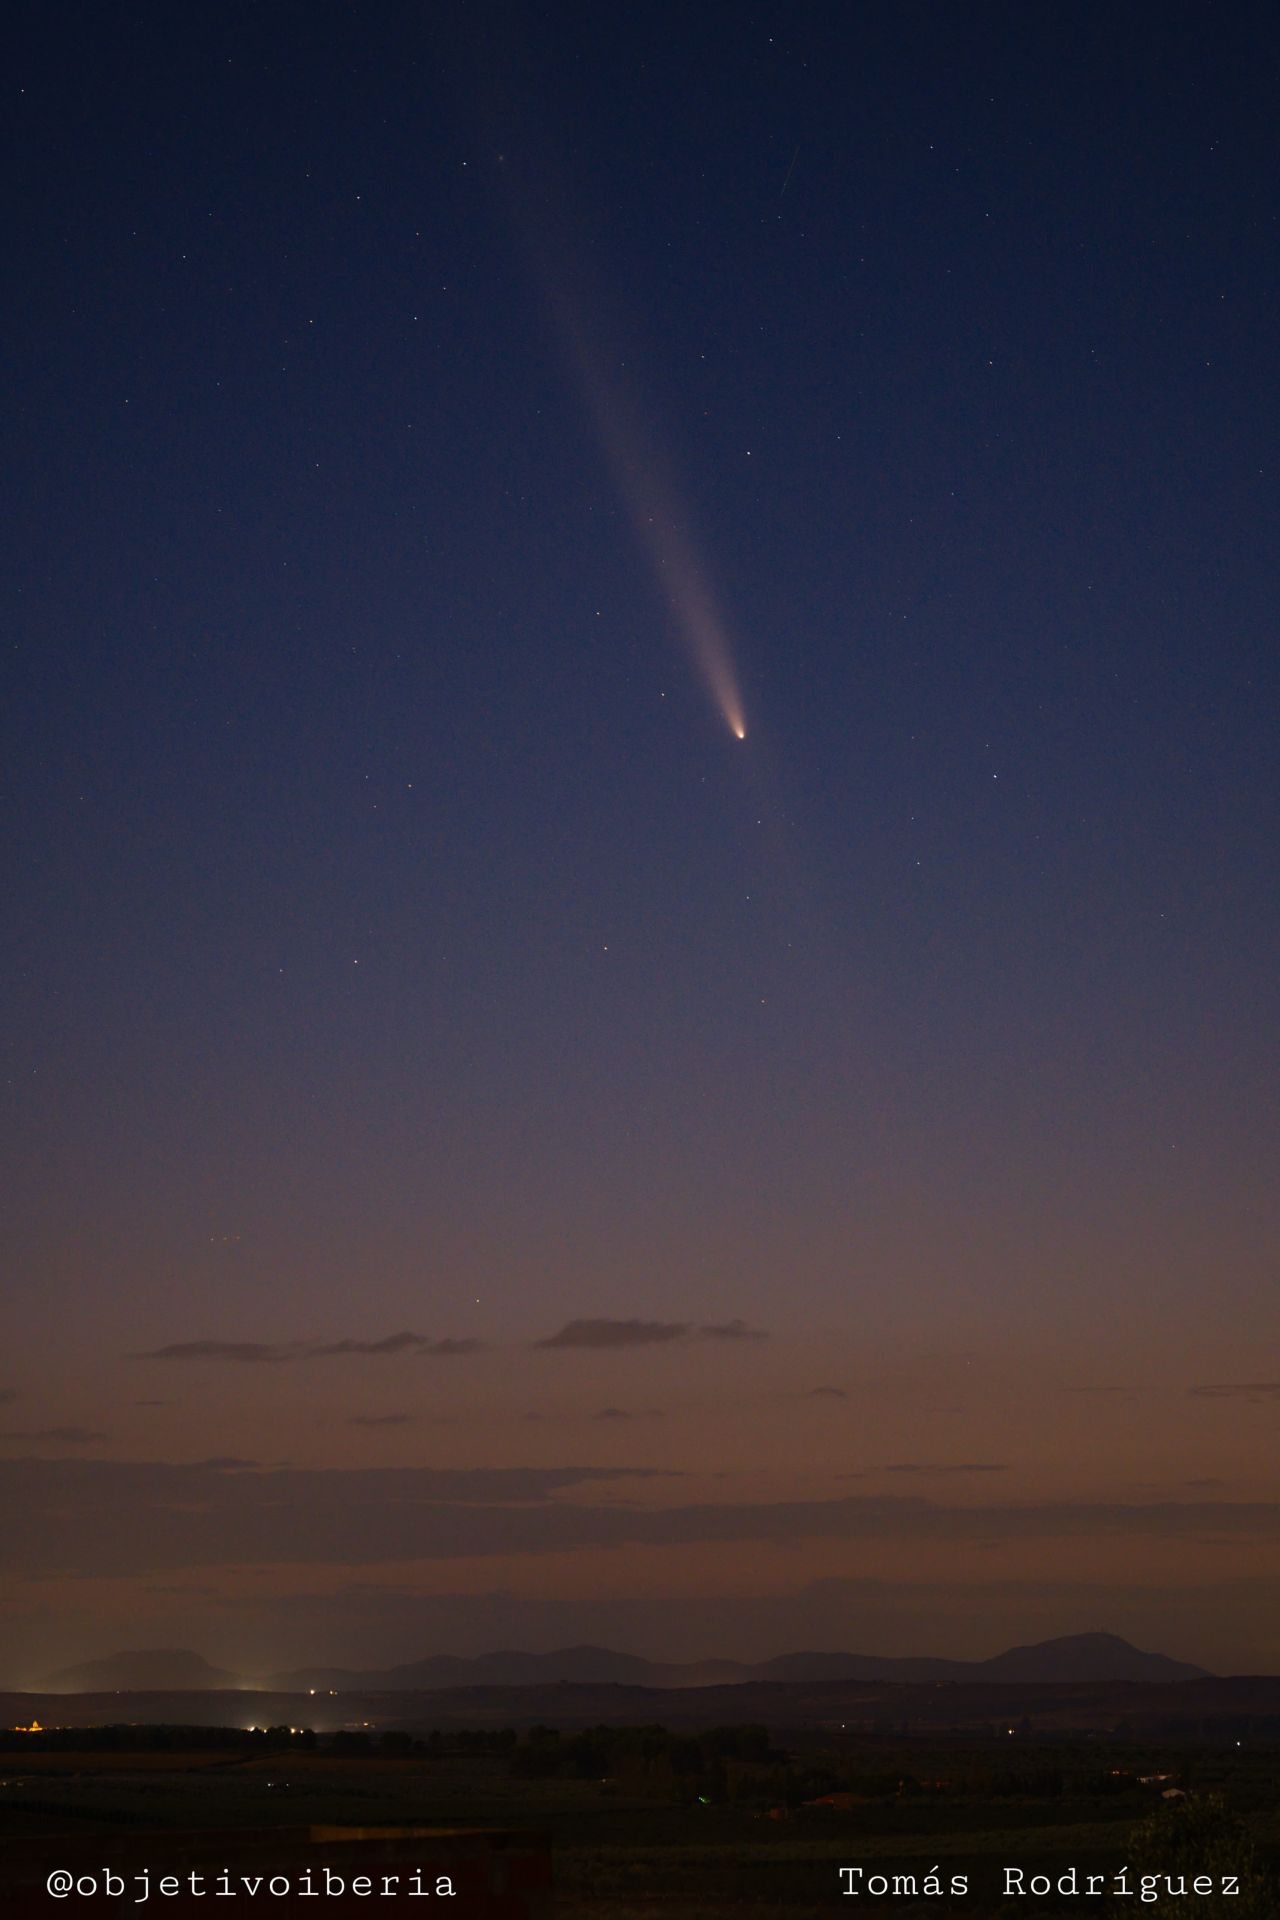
495 1156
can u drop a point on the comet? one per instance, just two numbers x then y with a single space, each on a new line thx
653 500
662 527
657 512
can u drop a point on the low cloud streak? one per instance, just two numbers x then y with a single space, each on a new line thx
962 1466
279 1353
1259 1390
79 1518
594 1335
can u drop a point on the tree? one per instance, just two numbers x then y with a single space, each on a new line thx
1195 1837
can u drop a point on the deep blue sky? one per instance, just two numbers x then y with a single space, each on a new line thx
400 937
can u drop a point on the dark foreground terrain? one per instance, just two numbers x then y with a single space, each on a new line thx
647 1823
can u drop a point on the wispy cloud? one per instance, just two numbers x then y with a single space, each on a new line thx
623 1413
380 1420
393 1343
1259 1390
251 1352
278 1353
65 1436
826 1393
74 1517
616 1333
939 1467
596 1334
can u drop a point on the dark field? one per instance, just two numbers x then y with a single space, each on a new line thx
650 1842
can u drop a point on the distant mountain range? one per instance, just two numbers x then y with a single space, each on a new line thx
157 1670
1081 1657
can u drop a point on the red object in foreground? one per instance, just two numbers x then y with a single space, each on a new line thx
314 1872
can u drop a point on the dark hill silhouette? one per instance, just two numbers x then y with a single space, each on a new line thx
154 1669
1077 1657
1085 1656
1082 1657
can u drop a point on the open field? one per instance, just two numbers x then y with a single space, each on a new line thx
629 1850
